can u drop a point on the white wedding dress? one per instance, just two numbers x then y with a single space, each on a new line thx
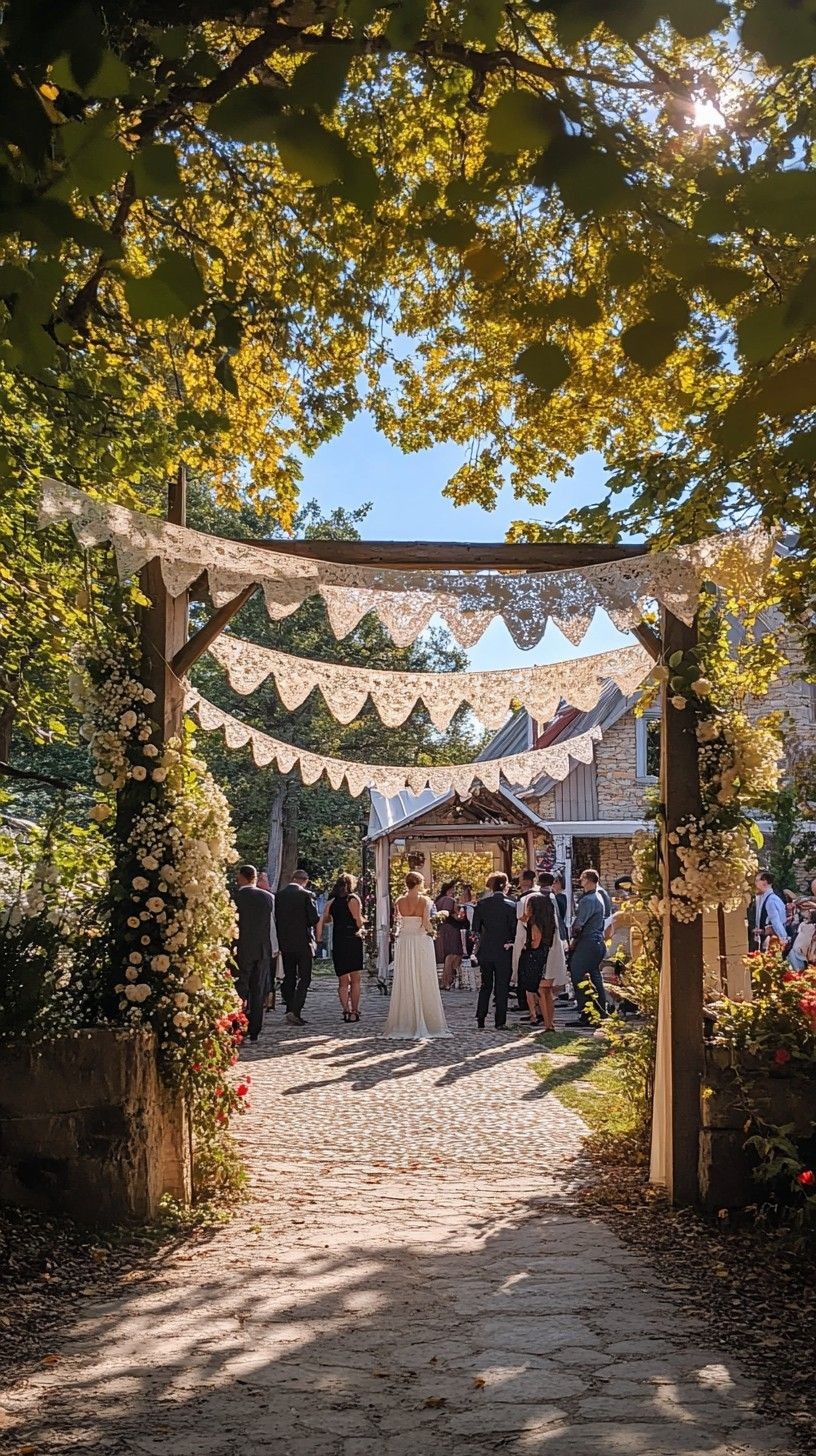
416 1012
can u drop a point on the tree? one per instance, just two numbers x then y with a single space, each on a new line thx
321 827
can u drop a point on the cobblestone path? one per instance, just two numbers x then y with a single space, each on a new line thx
408 1278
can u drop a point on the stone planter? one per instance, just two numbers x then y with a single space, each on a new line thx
726 1177
88 1129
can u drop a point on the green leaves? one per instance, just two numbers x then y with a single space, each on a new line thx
763 333
95 158
625 266
172 290
320 80
481 21
589 180
648 343
406 23
156 171
522 121
695 18
781 202
544 365
247 114
783 31
790 391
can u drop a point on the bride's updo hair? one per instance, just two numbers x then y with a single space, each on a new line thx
414 881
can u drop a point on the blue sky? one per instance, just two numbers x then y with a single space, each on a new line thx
405 492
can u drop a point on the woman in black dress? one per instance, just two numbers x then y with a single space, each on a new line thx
345 911
533 974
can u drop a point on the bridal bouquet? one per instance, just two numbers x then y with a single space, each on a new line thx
437 919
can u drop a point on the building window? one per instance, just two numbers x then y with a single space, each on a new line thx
647 746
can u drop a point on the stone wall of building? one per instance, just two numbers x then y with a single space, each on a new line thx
620 792
89 1130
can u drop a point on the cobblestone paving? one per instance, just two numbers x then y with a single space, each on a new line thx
408 1278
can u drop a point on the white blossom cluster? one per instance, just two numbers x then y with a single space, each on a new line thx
117 727
177 919
739 765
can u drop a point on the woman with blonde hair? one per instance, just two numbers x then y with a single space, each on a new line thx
344 911
416 1011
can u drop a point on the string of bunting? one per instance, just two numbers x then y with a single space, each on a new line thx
491 695
518 769
468 602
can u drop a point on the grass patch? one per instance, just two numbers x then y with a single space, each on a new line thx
589 1084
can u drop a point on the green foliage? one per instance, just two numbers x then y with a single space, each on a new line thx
785 820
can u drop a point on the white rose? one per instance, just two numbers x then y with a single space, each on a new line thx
678 701
193 983
150 862
128 719
155 904
168 873
130 992
150 750
148 695
100 812
139 882
133 922
181 1019
160 963
104 779
138 772
142 991
132 973
158 775
135 958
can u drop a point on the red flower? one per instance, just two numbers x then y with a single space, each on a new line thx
781 1056
807 1178
196 1066
242 1089
221 1119
792 976
219 1091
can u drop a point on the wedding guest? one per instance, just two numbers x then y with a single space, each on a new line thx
527 883
270 996
543 966
344 911
494 922
769 913
296 918
546 884
449 938
559 890
256 909
587 949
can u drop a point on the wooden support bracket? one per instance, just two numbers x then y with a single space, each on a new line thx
197 645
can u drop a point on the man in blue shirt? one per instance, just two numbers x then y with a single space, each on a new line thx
587 950
769 913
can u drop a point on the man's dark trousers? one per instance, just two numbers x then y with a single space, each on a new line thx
495 973
297 976
251 986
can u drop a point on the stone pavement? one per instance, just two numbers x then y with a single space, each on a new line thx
408 1278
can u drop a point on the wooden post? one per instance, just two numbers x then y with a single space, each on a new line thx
164 627
682 1001
531 852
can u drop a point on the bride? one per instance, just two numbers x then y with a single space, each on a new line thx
416 1006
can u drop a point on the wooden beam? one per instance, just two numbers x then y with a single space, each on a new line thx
164 627
454 555
683 1003
197 645
648 638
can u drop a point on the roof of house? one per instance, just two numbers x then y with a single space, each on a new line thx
516 736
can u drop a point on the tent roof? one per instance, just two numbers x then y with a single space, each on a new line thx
393 815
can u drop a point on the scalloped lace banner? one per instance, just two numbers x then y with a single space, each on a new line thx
518 769
467 601
491 695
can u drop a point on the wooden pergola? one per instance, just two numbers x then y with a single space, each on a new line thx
169 652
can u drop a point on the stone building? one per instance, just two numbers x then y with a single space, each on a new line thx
593 814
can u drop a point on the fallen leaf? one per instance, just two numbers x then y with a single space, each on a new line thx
479 1383
50 1359
435 1402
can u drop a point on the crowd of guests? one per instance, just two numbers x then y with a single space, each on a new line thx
779 917
520 935
288 926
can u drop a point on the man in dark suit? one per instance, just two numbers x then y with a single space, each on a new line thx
494 922
256 945
296 918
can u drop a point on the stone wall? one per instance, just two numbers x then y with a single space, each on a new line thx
725 1168
615 857
89 1130
620 791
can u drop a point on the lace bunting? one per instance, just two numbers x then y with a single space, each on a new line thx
491 695
518 769
406 600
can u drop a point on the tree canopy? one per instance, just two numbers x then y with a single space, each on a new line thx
532 229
